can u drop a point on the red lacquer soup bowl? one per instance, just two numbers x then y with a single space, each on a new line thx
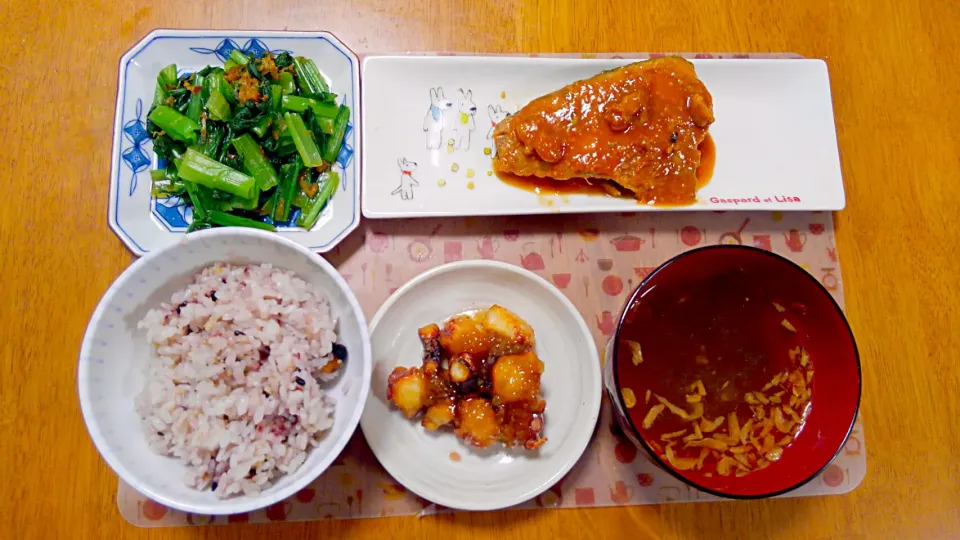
736 371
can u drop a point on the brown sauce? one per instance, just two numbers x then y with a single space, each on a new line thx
583 186
708 160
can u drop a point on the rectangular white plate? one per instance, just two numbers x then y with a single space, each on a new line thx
774 133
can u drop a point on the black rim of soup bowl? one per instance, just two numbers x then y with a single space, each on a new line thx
636 432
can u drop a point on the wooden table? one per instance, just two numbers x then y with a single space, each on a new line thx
895 80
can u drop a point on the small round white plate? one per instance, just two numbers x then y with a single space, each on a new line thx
424 462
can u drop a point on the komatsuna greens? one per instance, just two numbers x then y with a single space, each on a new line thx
249 144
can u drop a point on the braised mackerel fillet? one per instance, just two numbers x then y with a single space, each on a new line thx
639 126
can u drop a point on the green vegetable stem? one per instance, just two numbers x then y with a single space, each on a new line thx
195 106
289 176
167 78
228 220
331 147
286 83
310 81
311 213
198 168
218 107
255 162
303 139
175 124
199 208
239 58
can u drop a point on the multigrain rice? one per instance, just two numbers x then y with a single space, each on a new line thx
234 389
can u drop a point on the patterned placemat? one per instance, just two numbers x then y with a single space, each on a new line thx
596 261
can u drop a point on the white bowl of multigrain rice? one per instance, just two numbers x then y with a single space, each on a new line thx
201 375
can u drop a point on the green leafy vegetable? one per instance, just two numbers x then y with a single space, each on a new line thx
239 58
196 167
218 107
167 148
254 71
240 164
246 117
195 105
175 124
296 103
167 78
311 212
262 126
159 95
276 98
286 83
199 225
229 220
255 162
199 208
309 80
166 184
303 139
289 185
331 146
300 200
283 60
210 143
218 83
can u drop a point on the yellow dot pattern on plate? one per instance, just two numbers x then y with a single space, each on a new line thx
441 182
470 185
449 148
470 173
489 173
629 398
487 151
455 167
503 95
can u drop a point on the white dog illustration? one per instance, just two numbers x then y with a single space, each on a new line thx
433 121
497 114
464 124
405 189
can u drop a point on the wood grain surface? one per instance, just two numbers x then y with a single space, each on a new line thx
896 88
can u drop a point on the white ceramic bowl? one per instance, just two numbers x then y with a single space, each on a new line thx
114 353
491 478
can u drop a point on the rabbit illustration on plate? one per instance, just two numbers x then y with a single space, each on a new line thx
497 114
433 121
464 123
405 189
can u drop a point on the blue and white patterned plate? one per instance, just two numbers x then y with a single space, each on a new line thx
145 224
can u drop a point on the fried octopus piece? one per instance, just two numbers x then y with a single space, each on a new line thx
479 374
477 422
465 334
440 414
407 388
521 424
509 333
430 339
516 389
516 378
640 126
